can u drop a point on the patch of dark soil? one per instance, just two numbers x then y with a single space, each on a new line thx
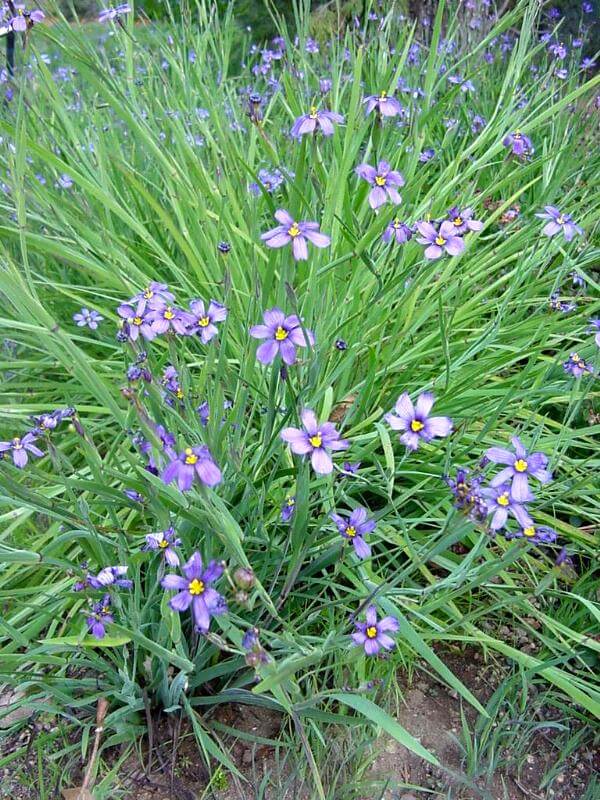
432 714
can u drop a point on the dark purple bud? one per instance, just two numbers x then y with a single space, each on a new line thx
341 344
224 247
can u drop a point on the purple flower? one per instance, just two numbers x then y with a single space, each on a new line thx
398 231
87 317
193 462
595 328
372 634
520 144
99 617
439 241
22 17
165 542
577 367
314 121
134 496
269 181
295 232
194 590
538 534
315 439
155 294
283 335
20 447
383 180
384 105
415 420
169 318
136 320
288 508
354 529
426 155
500 501
108 576
463 220
113 12
351 467
49 421
558 222
203 319
520 465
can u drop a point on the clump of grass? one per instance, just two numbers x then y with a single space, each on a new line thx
131 156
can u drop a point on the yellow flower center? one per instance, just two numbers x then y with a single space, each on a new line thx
520 465
105 610
291 502
316 440
575 357
179 393
313 112
383 96
17 443
560 219
351 531
503 500
196 587
416 426
371 632
439 240
529 531
294 230
169 313
148 293
190 456
458 221
164 544
137 320
396 223
204 322
281 334
380 180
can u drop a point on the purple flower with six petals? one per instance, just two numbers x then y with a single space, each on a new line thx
500 501
20 447
354 529
384 105
521 145
193 462
398 231
314 121
165 542
372 634
520 465
463 221
315 439
439 241
283 335
558 222
203 319
295 232
415 420
383 180
194 590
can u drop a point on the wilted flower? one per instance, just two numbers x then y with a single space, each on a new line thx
204 319
20 447
165 542
520 465
383 180
316 120
288 508
558 222
88 318
194 589
354 529
500 501
298 233
538 534
372 634
520 144
415 420
99 616
316 440
384 105
400 232
467 494
439 241
577 366
283 335
463 221
192 463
